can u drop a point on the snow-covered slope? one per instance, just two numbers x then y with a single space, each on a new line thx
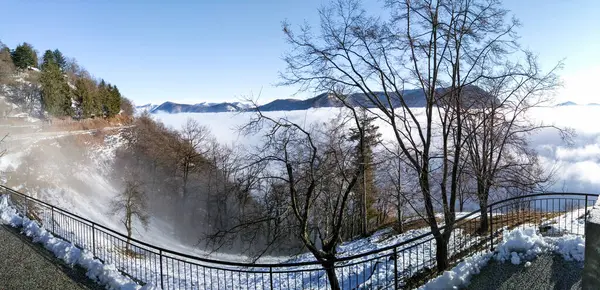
145 108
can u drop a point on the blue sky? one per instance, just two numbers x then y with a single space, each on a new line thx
195 51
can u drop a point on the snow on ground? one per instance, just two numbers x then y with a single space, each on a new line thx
93 202
105 274
368 271
573 222
518 246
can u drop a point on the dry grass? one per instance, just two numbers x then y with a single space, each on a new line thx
129 253
68 124
95 138
510 220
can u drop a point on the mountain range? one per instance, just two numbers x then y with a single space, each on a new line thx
569 103
413 98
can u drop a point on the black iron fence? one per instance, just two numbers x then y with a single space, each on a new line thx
405 264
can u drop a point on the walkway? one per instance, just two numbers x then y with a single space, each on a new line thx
548 271
27 265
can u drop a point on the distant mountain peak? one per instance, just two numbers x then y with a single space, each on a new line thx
412 98
568 103
203 107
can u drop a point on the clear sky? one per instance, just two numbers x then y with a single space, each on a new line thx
194 51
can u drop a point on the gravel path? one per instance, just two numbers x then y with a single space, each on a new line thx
27 265
548 271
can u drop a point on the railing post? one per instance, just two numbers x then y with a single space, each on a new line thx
271 276
162 283
26 205
585 214
395 268
52 221
94 239
491 230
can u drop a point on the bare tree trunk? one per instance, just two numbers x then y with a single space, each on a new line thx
129 232
483 221
365 226
441 246
331 275
400 219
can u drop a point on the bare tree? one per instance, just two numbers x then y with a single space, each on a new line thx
498 129
441 48
466 190
131 204
399 180
310 175
27 96
193 137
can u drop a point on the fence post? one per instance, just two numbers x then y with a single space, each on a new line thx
395 268
585 214
94 239
271 276
52 221
162 284
491 230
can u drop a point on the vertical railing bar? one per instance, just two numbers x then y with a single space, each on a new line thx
271 276
160 256
396 267
491 230
585 214
94 239
52 221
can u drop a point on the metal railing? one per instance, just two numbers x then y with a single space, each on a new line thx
404 264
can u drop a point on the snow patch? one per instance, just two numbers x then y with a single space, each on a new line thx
518 245
106 274
459 275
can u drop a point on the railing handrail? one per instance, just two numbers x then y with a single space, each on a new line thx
283 265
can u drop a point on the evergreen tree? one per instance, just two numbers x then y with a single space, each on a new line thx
365 185
56 93
103 92
114 102
85 96
60 59
24 56
6 64
48 59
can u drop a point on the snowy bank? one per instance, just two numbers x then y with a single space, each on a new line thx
517 246
104 274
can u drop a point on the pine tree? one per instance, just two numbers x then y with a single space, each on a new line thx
114 102
24 56
60 59
48 59
85 96
105 91
56 93
365 186
6 64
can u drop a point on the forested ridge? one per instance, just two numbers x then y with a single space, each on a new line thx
56 85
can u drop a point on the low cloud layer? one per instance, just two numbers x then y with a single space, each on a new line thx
577 164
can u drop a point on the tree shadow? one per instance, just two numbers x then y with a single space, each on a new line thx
566 274
548 271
